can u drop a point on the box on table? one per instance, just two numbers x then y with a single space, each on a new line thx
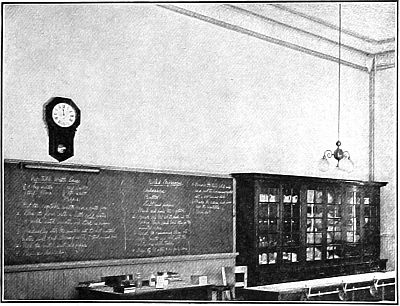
198 279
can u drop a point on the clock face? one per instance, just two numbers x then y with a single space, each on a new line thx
63 114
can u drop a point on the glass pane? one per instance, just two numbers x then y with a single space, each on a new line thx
273 226
330 197
295 225
310 196
337 236
318 196
314 238
262 225
333 224
329 237
310 254
318 237
310 238
287 210
310 225
333 211
272 240
350 237
318 224
317 253
367 211
262 242
273 210
272 257
333 252
349 198
289 256
287 198
314 210
296 210
273 195
263 211
334 196
333 237
286 239
262 259
287 226
318 210
313 253
349 210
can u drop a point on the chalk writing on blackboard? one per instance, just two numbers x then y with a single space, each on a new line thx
162 222
53 216
209 197
52 224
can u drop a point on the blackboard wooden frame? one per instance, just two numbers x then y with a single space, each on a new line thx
115 262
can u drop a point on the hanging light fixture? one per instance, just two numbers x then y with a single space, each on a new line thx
343 157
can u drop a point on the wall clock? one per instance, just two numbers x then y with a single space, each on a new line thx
62 117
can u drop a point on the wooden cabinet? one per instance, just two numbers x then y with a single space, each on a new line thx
296 228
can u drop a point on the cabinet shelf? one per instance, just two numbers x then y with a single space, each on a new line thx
312 225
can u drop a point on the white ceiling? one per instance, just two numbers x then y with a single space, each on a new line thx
368 20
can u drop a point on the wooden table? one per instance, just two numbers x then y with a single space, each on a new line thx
175 291
359 287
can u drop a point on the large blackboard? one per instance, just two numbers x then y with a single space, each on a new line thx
53 214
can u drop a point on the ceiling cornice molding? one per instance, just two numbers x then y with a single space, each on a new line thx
280 32
298 29
334 27
315 27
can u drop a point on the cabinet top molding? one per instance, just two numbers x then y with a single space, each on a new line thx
306 179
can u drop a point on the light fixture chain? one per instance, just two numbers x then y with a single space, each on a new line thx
343 157
340 44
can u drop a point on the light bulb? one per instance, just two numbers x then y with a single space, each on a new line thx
323 164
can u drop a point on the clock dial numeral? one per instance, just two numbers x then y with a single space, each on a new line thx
64 114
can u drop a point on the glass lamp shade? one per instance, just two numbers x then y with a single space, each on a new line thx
323 164
346 164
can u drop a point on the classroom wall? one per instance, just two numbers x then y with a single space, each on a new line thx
165 91
385 162
159 90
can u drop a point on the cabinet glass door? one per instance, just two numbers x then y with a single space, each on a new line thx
268 216
314 224
334 248
290 224
352 223
370 236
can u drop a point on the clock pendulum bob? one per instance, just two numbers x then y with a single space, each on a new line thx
61 144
